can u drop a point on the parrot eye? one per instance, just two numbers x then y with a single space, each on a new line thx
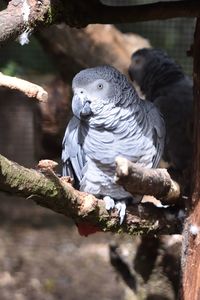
100 86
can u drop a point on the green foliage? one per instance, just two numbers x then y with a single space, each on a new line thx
11 68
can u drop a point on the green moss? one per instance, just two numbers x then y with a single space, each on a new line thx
52 13
49 17
134 230
120 230
111 223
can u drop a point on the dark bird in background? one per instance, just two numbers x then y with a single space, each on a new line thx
163 82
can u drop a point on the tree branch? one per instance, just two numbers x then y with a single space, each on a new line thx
29 89
15 20
146 12
143 181
47 190
24 15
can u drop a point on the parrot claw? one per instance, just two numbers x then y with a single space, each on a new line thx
121 208
109 202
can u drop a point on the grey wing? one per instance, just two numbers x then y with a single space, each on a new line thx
72 152
158 126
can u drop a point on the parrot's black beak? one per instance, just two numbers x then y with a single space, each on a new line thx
86 110
81 107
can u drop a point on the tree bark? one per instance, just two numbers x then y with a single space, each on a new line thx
190 288
47 190
31 90
15 20
22 15
137 13
139 180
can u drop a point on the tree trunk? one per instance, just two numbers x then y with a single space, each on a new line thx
190 289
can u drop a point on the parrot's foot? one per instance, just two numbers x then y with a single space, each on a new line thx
121 208
109 202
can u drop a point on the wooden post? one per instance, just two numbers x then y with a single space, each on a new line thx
190 286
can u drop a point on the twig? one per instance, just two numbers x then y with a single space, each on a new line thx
29 89
142 181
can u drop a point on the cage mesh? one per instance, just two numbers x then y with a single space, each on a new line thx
174 35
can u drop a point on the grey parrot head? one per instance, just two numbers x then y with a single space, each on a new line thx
97 87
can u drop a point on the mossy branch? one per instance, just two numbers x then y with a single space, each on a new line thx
49 191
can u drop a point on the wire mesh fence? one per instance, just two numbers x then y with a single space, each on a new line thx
174 35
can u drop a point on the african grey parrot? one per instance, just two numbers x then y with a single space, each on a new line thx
163 82
109 120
